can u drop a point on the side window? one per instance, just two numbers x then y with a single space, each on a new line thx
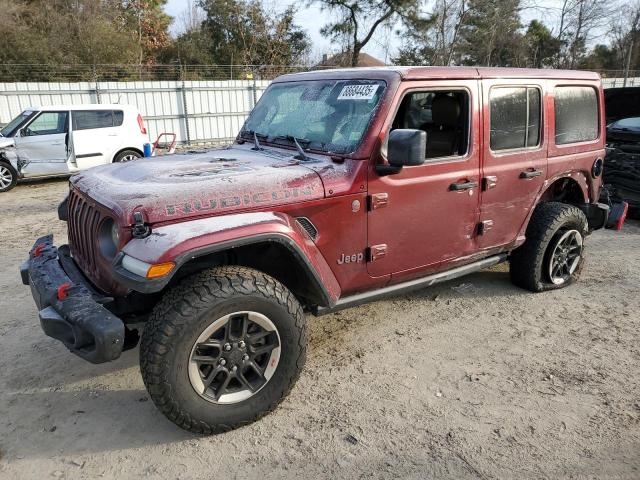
515 117
576 112
443 115
118 118
90 119
48 123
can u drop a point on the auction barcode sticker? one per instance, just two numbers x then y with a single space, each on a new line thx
358 92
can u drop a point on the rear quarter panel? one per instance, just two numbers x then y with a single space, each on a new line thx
575 160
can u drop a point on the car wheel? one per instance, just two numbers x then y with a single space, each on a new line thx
222 349
553 253
8 177
127 156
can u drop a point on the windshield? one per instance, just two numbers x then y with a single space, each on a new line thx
14 125
327 115
633 122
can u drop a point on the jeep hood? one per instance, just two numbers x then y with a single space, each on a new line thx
173 187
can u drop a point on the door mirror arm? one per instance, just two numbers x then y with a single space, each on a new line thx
406 147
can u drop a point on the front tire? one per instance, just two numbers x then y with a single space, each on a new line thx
222 349
552 256
8 177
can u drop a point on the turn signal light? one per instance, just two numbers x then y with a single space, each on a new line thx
160 269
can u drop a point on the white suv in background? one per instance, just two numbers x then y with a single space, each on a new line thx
63 139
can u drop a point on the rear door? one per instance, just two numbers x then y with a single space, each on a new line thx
424 217
94 135
514 157
43 144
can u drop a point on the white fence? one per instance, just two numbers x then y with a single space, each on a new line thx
204 112
196 111
619 82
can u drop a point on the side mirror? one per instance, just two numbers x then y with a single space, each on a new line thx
21 133
406 147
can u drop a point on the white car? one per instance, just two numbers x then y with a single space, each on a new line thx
60 140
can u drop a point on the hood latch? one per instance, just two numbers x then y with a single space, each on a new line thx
140 229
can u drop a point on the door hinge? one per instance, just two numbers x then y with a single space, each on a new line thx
484 226
378 200
489 182
376 252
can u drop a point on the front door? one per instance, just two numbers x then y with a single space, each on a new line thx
515 158
425 216
42 145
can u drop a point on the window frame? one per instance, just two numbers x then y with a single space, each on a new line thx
38 115
75 113
426 89
581 143
507 151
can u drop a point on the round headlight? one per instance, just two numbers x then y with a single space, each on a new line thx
108 238
115 234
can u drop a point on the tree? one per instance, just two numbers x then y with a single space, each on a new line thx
357 20
490 35
151 26
243 33
434 39
579 20
542 47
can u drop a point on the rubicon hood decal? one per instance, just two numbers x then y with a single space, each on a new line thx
185 185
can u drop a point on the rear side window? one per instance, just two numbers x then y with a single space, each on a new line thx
515 117
90 119
118 118
576 112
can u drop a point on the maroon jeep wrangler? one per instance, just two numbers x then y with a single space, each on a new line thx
342 187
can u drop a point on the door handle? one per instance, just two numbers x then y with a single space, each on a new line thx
457 187
530 173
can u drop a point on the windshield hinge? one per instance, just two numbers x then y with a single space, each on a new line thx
140 229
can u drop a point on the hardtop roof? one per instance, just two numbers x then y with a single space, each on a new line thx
427 73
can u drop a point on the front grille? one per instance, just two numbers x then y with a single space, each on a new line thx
84 221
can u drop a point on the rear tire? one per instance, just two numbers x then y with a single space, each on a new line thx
127 156
8 177
214 321
552 256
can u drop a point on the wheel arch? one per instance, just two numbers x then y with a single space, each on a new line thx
570 188
275 255
133 149
272 243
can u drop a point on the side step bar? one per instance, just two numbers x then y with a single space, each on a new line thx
404 287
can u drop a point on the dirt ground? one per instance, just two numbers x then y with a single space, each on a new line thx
471 379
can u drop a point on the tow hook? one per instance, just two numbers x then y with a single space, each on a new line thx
140 229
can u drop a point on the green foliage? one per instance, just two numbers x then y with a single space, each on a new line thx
55 32
243 32
542 47
491 34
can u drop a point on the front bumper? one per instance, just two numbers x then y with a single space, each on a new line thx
69 309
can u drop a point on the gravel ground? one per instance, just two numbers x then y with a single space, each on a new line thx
471 379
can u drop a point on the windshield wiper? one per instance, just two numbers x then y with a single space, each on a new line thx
301 155
256 143
296 141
